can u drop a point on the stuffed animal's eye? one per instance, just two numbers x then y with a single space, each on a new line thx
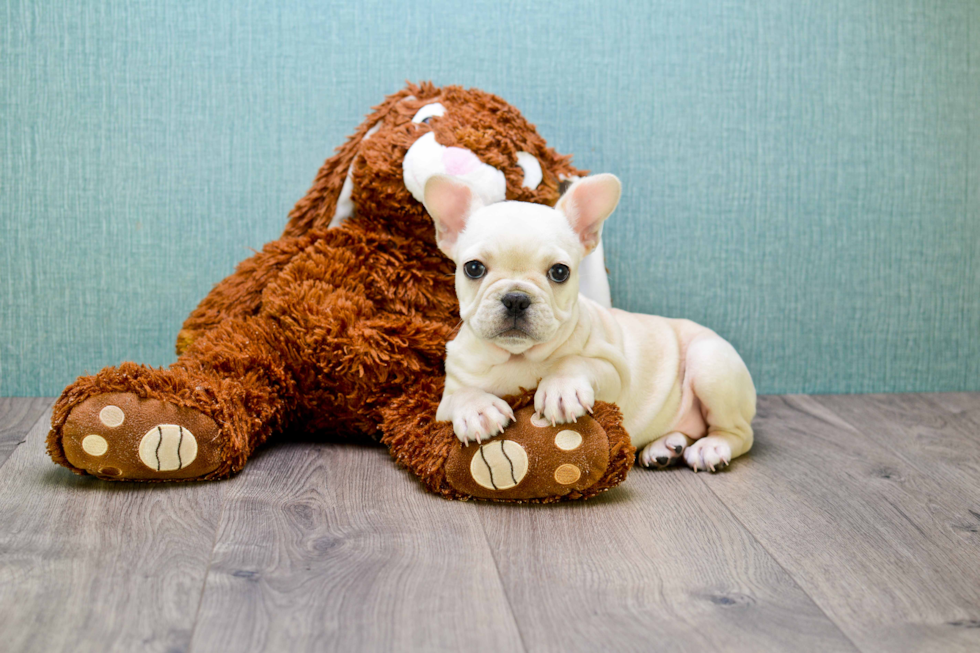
532 170
559 273
474 269
429 111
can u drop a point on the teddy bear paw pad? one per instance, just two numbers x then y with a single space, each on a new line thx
168 447
499 465
532 459
120 436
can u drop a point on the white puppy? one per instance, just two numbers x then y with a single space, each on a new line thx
683 390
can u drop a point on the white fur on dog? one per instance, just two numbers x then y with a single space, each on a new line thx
683 390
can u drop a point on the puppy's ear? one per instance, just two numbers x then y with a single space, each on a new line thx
450 202
587 204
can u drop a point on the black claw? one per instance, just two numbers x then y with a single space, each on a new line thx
678 448
662 460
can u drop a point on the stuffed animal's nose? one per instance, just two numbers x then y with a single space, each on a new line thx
515 303
459 161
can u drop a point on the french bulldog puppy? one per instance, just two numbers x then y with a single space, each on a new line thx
684 391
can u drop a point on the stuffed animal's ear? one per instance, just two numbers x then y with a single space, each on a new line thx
587 203
450 201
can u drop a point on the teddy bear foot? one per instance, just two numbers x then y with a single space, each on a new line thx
121 437
532 460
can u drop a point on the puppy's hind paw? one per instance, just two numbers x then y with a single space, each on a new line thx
712 453
665 451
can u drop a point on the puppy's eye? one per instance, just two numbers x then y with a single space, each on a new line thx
559 273
474 269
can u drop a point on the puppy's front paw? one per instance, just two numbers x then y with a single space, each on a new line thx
562 399
480 415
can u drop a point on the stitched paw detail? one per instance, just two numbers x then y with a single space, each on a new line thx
499 465
531 460
168 447
120 436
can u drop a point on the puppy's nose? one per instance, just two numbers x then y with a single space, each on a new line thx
515 303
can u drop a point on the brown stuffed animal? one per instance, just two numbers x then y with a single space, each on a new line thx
341 325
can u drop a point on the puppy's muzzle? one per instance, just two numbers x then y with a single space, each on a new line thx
515 303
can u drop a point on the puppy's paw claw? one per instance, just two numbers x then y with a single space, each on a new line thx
711 453
561 400
481 418
664 451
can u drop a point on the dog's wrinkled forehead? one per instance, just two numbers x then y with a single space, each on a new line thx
518 237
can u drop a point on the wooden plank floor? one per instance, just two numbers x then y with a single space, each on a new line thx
853 525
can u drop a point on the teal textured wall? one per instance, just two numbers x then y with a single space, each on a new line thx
804 177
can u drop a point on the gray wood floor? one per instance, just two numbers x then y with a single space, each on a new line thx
853 525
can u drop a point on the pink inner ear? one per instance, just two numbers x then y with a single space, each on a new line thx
588 207
450 204
593 202
589 203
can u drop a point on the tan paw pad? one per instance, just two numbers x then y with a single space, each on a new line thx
539 421
499 465
567 474
168 447
95 445
112 416
568 440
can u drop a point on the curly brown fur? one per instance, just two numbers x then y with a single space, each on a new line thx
345 328
482 122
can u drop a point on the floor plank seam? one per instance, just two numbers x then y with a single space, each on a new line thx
913 462
777 561
45 415
503 587
207 571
